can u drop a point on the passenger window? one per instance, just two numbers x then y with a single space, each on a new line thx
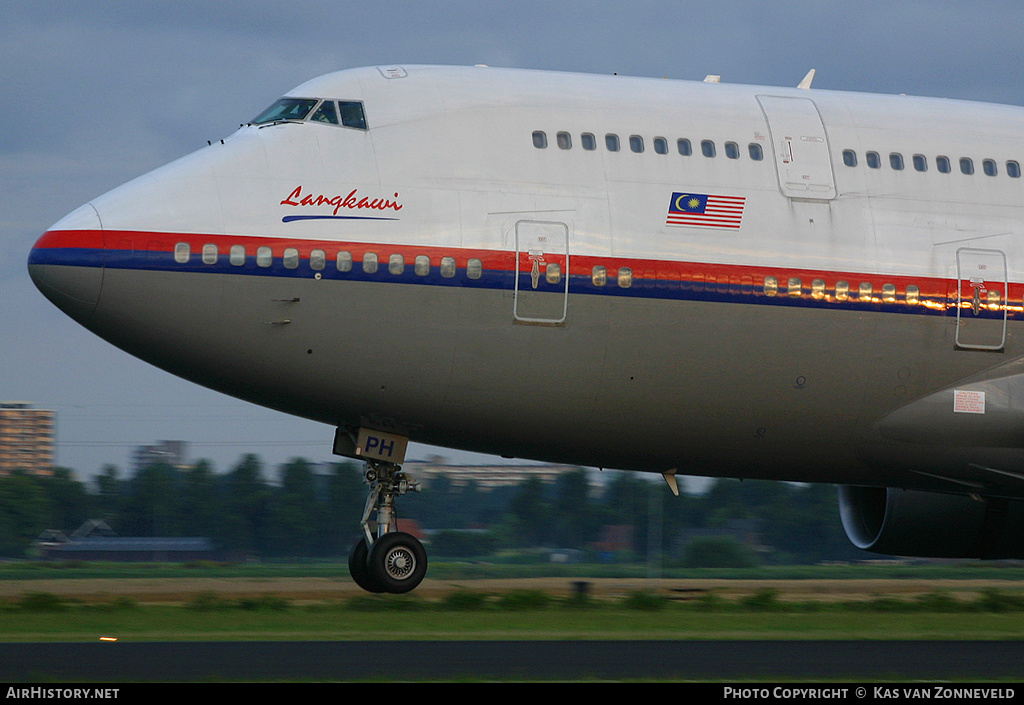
865 291
264 257
291 258
873 160
422 266
625 277
448 267
966 166
849 157
842 290
588 141
1013 170
611 142
553 273
756 153
209 254
992 297
920 162
684 147
396 264
352 114
599 275
732 150
794 287
370 262
317 260
326 113
540 140
237 257
564 140
818 289
182 252
913 294
344 261
888 293
636 143
707 148
942 164
660 145
896 161
771 286
989 167
474 268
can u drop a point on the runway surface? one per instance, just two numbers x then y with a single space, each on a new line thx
133 662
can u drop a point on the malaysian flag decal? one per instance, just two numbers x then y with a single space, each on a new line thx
701 210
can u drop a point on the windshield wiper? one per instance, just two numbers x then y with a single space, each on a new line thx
282 121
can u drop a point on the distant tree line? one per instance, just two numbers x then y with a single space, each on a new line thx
304 514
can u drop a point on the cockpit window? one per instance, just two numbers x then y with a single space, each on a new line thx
326 113
286 109
352 114
344 112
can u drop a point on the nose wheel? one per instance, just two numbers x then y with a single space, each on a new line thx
392 561
397 562
359 567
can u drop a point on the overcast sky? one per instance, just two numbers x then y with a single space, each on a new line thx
96 93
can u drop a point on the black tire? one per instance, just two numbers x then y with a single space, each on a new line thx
358 567
398 562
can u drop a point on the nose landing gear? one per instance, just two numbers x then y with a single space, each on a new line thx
392 561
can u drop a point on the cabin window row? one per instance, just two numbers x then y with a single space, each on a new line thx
794 287
343 261
622 277
943 164
864 291
637 144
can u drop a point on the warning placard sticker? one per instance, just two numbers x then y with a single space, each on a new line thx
966 401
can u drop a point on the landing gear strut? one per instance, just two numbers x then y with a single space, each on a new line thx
385 559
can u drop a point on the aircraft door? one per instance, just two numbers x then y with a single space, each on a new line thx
801 147
542 272
981 299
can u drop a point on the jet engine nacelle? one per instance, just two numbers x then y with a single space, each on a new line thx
929 524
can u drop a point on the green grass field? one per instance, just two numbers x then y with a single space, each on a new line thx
318 602
452 570
330 623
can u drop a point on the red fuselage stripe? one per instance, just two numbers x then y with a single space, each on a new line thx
723 275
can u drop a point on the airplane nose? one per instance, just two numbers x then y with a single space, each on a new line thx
66 263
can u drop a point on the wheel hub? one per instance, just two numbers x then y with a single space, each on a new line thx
400 563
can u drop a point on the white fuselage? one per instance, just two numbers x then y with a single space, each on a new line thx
638 273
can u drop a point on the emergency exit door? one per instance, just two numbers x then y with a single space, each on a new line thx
981 299
800 147
542 272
